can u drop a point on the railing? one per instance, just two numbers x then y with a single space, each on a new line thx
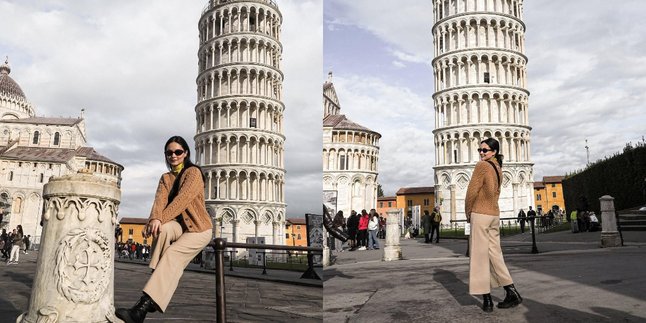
219 245
530 219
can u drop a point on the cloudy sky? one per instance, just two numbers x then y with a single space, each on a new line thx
132 66
586 75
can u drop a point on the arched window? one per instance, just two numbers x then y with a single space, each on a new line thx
42 177
11 176
36 138
57 139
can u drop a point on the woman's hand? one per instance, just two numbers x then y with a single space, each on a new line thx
153 228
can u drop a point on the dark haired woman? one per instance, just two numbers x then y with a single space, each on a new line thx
487 267
17 244
178 216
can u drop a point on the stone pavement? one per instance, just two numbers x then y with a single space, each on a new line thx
570 280
248 300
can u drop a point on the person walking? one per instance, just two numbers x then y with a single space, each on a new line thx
339 223
436 220
531 215
574 225
487 267
426 224
521 220
17 242
178 216
353 228
4 244
363 230
373 226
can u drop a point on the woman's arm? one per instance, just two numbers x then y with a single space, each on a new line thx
475 185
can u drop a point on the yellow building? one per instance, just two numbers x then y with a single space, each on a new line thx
296 232
549 194
132 230
385 204
407 197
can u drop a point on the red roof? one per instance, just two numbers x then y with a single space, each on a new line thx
415 190
553 179
296 221
387 198
539 185
133 221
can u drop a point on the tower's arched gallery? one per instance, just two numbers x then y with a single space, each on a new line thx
480 92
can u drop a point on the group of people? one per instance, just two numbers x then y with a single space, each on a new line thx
132 250
584 221
363 230
553 217
431 224
12 243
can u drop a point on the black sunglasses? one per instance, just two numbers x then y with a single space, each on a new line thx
484 150
177 152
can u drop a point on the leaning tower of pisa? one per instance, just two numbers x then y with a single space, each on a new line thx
480 92
239 141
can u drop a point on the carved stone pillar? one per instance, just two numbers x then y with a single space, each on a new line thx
609 234
392 250
74 279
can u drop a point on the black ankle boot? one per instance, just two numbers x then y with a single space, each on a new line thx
487 303
137 313
512 297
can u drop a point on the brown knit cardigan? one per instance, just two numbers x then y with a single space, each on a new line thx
188 204
484 190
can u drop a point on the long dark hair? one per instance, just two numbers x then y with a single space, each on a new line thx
495 145
187 164
19 230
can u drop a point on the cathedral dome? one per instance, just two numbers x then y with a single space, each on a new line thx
8 86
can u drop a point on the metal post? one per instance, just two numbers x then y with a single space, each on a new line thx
534 248
264 263
231 260
220 300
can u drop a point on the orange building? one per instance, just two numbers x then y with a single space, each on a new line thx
407 197
385 204
132 230
549 193
296 232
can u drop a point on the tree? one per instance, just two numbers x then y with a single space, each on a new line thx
380 191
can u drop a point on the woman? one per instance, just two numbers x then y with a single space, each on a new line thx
487 267
363 230
178 216
373 226
17 244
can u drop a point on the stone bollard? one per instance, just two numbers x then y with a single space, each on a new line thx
392 250
74 279
609 233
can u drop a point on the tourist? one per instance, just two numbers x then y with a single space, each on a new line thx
353 228
521 219
487 267
531 215
426 224
16 245
339 223
373 226
25 244
363 230
178 216
574 224
436 220
4 244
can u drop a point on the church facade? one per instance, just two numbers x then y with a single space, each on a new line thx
33 149
350 156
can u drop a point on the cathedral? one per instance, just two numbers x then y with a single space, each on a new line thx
33 149
350 155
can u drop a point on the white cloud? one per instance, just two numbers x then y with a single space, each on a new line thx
133 65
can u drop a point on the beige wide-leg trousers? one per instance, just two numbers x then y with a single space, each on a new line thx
487 267
169 260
